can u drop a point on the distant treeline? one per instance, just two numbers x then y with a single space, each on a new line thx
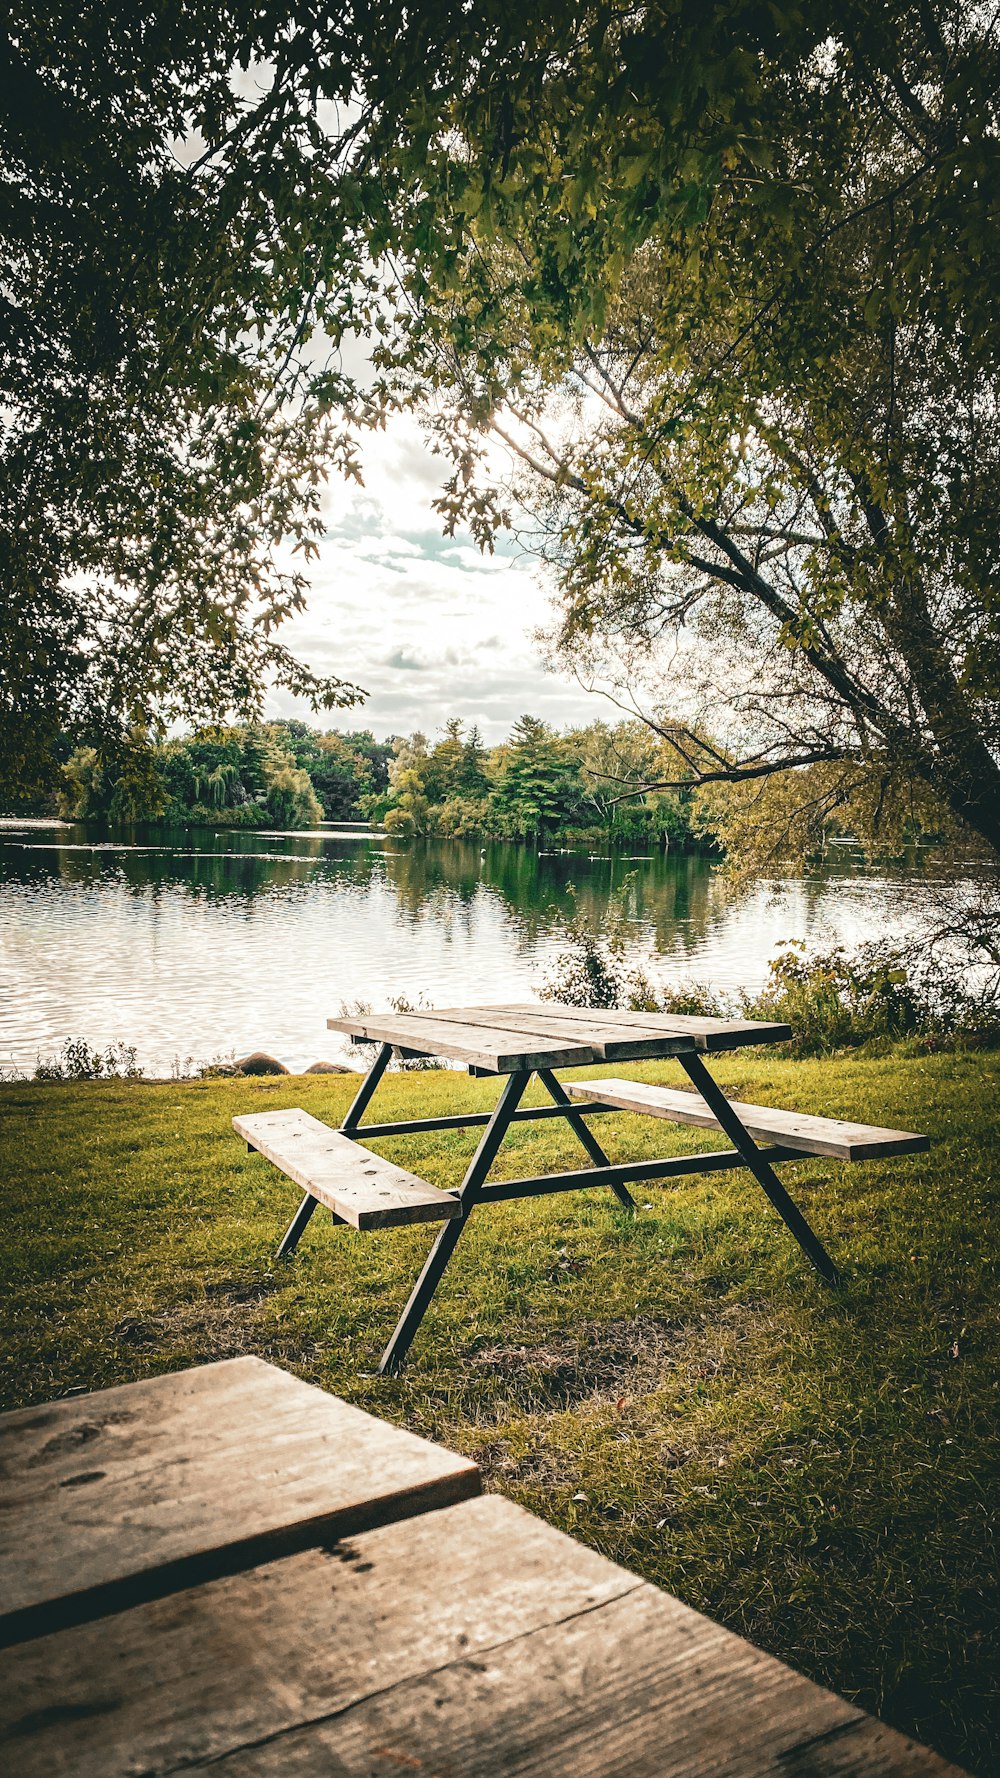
587 783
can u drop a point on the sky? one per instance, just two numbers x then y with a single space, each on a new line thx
429 626
426 623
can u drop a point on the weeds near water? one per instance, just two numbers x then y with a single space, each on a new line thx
833 999
361 1048
77 1060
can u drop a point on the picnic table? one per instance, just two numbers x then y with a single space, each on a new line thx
336 1169
229 1569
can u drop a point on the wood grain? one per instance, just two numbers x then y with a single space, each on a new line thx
357 1185
708 1033
134 1492
479 1045
472 1642
831 1136
612 1043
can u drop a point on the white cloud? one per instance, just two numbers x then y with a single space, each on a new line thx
430 626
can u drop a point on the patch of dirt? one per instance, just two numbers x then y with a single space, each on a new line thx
236 1290
547 1469
222 1323
599 1361
133 1331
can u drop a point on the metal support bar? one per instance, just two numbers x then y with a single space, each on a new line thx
716 1161
555 1091
447 1240
297 1227
472 1119
359 1103
759 1166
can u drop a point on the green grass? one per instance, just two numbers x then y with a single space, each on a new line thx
819 1471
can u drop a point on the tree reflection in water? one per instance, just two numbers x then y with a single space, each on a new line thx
197 942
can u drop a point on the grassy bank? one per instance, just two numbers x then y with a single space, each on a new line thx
818 1471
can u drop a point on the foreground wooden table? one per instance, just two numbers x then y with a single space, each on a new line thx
471 1641
128 1493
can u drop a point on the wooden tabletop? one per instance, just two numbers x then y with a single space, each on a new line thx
475 1642
138 1491
510 1039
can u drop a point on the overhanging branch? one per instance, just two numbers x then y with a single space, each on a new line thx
734 772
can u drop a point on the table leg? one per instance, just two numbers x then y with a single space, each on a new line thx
359 1104
761 1169
300 1221
580 1130
446 1242
297 1227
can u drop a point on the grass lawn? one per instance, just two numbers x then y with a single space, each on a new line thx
817 1470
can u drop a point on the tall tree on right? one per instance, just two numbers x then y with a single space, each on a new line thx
754 416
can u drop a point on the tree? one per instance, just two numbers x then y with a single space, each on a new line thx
472 778
342 767
724 277
175 226
201 207
443 762
241 777
291 799
83 794
198 208
619 764
539 787
408 814
746 360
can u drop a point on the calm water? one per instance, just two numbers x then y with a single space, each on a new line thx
201 944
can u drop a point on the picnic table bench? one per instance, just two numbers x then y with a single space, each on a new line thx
228 1569
337 1169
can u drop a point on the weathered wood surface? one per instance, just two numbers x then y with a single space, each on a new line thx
472 1642
357 1185
612 1043
138 1491
831 1136
480 1045
708 1033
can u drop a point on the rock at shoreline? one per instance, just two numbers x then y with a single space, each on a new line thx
261 1063
329 1068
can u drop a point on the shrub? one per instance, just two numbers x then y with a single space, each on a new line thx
836 999
586 973
594 969
833 999
77 1061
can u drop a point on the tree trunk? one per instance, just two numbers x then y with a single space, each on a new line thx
963 772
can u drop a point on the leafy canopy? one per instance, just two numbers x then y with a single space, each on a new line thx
175 225
727 291
722 277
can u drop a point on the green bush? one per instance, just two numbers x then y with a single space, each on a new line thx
77 1061
586 973
836 1000
839 999
833 1000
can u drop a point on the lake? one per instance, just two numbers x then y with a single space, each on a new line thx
195 945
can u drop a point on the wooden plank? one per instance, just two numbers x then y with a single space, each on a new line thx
469 1642
708 1033
612 1043
478 1046
832 1136
357 1185
135 1492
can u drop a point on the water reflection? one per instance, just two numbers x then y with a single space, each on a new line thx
198 943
